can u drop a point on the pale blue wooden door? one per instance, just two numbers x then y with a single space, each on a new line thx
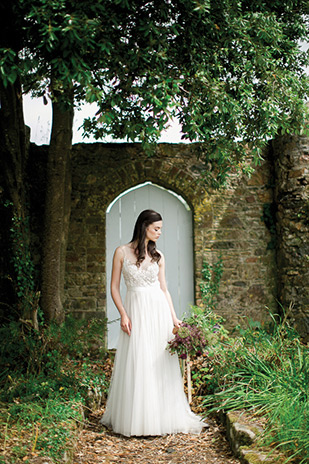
176 242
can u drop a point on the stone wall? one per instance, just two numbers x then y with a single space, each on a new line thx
231 223
227 222
291 160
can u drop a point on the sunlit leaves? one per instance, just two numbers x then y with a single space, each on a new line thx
9 71
231 72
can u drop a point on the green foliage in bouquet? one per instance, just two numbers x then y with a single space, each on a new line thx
199 331
188 340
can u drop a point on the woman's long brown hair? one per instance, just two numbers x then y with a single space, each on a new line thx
146 217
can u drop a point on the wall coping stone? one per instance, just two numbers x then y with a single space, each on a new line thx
243 434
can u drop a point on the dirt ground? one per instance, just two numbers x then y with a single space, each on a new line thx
97 445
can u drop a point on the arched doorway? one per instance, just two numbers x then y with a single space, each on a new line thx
176 242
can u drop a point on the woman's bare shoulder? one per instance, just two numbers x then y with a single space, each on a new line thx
123 250
119 252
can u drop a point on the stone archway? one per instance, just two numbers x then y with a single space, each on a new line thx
227 222
101 172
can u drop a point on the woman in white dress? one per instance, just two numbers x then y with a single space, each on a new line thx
146 395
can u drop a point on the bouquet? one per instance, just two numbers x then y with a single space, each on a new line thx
189 340
200 329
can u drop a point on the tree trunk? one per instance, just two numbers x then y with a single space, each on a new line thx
16 282
66 224
13 147
57 210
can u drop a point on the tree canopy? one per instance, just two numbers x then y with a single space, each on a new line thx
231 72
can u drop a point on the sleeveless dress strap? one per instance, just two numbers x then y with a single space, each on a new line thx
122 248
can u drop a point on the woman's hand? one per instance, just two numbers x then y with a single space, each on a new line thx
126 324
177 322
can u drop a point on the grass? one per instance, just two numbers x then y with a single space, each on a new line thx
47 380
265 371
41 428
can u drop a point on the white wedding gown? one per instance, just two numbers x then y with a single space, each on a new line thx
146 395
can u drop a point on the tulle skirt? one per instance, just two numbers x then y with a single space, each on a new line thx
146 395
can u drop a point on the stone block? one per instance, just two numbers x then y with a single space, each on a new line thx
243 432
231 221
75 292
74 268
260 456
95 267
89 315
83 304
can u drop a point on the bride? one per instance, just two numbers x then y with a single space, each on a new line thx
146 395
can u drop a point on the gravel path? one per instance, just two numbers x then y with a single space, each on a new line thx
97 445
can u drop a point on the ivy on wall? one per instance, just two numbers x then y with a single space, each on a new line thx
211 277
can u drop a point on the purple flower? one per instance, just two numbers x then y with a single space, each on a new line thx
189 339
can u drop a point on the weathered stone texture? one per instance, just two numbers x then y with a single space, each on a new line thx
235 229
291 159
244 434
227 222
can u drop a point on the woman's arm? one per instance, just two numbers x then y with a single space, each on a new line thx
125 323
162 280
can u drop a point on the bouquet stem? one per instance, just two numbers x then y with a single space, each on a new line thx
189 380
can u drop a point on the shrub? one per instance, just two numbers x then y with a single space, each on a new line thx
268 372
45 378
25 350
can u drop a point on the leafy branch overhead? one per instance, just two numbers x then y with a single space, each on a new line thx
231 72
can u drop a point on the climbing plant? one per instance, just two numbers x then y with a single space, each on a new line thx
25 278
209 286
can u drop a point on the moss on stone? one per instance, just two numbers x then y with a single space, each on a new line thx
256 455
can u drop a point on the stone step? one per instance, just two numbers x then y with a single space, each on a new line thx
243 433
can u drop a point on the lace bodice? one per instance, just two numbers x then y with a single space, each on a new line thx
139 276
